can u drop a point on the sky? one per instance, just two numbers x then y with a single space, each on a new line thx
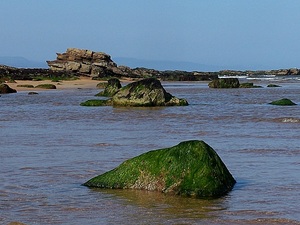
228 34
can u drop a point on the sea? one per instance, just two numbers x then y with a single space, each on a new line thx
50 146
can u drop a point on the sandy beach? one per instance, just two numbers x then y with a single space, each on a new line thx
83 82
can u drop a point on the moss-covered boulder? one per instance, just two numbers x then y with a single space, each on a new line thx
46 86
146 92
225 83
5 89
96 102
249 85
191 168
112 87
283 102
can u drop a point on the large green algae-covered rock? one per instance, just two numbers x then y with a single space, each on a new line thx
191 168
146 92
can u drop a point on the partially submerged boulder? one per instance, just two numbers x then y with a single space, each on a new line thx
5 89
146 92
283 102
46 86
249 85
225 83
191 168
112 87
273 85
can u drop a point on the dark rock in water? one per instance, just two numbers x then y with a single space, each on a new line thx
273 85
46 86
283 102
249 85
96 102
111 88
5 89
191 168
225 83
146 92
32 93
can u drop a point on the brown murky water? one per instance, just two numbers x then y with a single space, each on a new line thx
50 146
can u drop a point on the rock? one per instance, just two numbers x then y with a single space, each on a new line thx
96 102
102 85
86 62
112 87
273 85
191 168
5 89
32 93
249 85
146 92
46 86
25 85
225 83
283 102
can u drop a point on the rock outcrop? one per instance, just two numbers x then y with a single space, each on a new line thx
5 89
112 87
146 92
85 62
225 83
191 168
99 65
143 93
283 102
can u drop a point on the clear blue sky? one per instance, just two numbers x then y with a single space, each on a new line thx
234 34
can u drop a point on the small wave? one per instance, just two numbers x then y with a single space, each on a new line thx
286 120
290 120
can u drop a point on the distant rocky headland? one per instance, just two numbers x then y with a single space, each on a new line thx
99 66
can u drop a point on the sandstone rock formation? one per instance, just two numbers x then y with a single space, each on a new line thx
100 65
191 168
85 62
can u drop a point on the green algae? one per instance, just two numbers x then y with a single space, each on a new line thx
46 86
283 102
96 102
191 168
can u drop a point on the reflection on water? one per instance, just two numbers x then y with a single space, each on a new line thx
50 145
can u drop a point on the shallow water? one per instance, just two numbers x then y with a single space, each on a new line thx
50 146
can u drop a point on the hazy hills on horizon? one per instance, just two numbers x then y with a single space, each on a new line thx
161 65
22 62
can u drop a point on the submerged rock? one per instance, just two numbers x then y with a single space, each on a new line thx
249 85
191 168
146 92
46 86
5 89
283 102
96 102
112 87
273 85
225 83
